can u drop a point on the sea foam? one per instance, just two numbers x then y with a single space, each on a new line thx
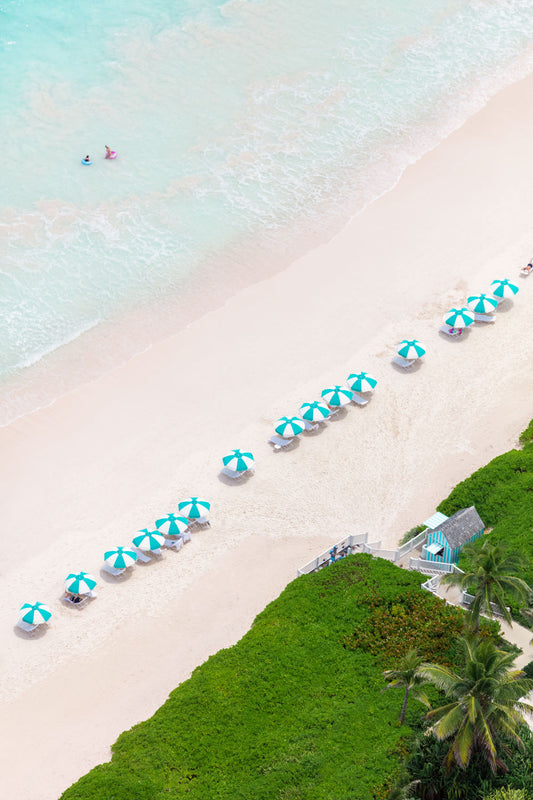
240 127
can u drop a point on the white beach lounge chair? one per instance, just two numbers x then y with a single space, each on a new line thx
484 318
200 522
310 426
233 473
280 441
114 571
449 331
78 600
176 544
405 363
26 626
141 555
358 400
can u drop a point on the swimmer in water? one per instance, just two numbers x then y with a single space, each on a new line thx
87 159
109 153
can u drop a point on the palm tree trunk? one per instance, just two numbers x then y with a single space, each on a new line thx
404 705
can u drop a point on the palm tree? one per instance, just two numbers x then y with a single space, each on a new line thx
485 708
407 677
492 575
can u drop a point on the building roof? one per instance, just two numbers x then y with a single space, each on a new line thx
434 521
459 528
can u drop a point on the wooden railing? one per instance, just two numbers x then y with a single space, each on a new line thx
374 548
468 599
345 547
431 567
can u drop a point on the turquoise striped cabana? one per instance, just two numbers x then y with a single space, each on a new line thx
445 542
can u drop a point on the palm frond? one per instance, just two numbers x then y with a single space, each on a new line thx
441 677
446 725
463 744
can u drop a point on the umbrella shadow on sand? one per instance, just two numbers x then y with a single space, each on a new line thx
122 578
408 370
506 305
37 633
238 480
152 559
338 415
289 447
316 432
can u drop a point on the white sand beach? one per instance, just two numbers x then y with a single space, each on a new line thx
106 460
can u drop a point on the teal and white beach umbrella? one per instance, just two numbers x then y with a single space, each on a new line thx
148 540
337 396
503 288
120 557
410 348
481 303
35 613
194 507
459 318
361 382
80 583
289 426
314 412
238 460
172 525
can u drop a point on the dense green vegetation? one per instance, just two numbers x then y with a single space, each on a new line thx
491 577
295 709
502 492
426 779
483 710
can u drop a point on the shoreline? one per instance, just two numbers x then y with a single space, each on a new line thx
56 366
109 457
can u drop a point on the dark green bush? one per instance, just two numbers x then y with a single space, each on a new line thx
414 620
410 534
528 669
429 780
527 435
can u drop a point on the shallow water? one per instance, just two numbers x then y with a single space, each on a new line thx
234 122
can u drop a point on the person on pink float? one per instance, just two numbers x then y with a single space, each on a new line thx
109 153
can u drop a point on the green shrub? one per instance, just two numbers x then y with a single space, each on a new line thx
414 620
506 794
527 435
410 534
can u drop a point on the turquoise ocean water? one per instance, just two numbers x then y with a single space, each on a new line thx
239 126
